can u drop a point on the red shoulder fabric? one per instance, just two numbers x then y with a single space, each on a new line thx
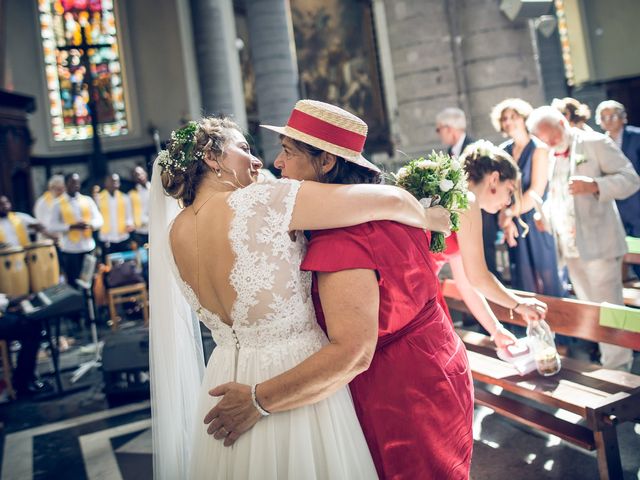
340 249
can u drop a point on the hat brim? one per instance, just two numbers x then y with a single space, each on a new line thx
327 147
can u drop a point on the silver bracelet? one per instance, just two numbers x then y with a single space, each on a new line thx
255 402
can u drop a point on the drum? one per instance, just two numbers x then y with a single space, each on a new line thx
44 269
14 275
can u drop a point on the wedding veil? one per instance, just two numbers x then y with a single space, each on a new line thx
175 353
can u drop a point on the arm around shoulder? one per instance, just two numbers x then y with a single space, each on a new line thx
321 206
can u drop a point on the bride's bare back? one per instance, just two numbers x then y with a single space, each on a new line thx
205 261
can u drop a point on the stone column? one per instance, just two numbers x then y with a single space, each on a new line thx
499 62
214 36
275 66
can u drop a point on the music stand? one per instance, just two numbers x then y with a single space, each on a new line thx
85 281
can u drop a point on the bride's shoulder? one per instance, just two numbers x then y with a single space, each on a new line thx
265 191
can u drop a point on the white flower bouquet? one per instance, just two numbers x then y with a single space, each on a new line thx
436 180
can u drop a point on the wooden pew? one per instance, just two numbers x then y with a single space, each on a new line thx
603 398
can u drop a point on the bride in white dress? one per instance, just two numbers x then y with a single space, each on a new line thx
234 253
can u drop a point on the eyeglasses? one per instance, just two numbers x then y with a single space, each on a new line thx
608 118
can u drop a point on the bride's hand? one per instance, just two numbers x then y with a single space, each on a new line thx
233 415
438 219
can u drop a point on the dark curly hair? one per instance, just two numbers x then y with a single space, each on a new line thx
343 172
483 158
212 136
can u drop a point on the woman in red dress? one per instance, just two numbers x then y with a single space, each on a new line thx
415 402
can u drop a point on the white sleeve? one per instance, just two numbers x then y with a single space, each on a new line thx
96 216
26 218
56 224
41 211
128 211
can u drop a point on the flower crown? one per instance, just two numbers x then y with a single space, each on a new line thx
482 148
184 148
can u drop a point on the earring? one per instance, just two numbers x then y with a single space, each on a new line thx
493 191
218 173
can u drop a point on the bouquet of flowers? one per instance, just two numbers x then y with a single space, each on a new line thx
436 180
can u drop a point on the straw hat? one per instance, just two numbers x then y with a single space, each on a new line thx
328 128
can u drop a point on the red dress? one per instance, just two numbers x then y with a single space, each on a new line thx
415 402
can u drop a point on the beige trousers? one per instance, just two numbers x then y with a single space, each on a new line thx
601 281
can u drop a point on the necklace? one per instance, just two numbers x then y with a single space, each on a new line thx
196 210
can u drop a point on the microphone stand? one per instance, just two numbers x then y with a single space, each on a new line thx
96 346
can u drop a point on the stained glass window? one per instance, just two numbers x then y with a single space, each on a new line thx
80 43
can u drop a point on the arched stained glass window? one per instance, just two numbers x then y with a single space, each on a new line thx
80 43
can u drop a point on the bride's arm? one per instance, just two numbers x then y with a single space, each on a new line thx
320 206
352 328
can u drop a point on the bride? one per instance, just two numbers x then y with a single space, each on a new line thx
230 258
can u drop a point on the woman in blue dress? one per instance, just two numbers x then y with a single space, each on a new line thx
534 265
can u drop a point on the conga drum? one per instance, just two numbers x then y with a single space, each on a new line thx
44 269
14 275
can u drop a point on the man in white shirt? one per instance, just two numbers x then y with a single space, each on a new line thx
44 205
115 208
139 197
15 226
75 216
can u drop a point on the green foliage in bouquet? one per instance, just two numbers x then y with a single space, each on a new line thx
436 180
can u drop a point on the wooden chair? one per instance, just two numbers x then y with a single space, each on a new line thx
136 292
6 368
603 398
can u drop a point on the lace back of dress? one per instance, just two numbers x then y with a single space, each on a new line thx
271 289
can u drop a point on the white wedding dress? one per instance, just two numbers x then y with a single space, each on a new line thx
274 329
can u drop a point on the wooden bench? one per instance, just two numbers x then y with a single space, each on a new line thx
602 398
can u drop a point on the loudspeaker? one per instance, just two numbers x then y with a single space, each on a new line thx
125 365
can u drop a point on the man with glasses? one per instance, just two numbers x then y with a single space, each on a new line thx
451 127
612 118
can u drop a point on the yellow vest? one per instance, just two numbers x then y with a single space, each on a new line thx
20 228
48 198
69 217
136 206
103 203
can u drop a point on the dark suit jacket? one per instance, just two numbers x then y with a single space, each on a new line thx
467 141
629 208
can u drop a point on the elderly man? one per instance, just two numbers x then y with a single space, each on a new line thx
451 127
44 205
589 172
612 118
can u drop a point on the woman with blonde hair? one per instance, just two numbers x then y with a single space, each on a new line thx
534 266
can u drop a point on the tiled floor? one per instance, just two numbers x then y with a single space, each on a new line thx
78 436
